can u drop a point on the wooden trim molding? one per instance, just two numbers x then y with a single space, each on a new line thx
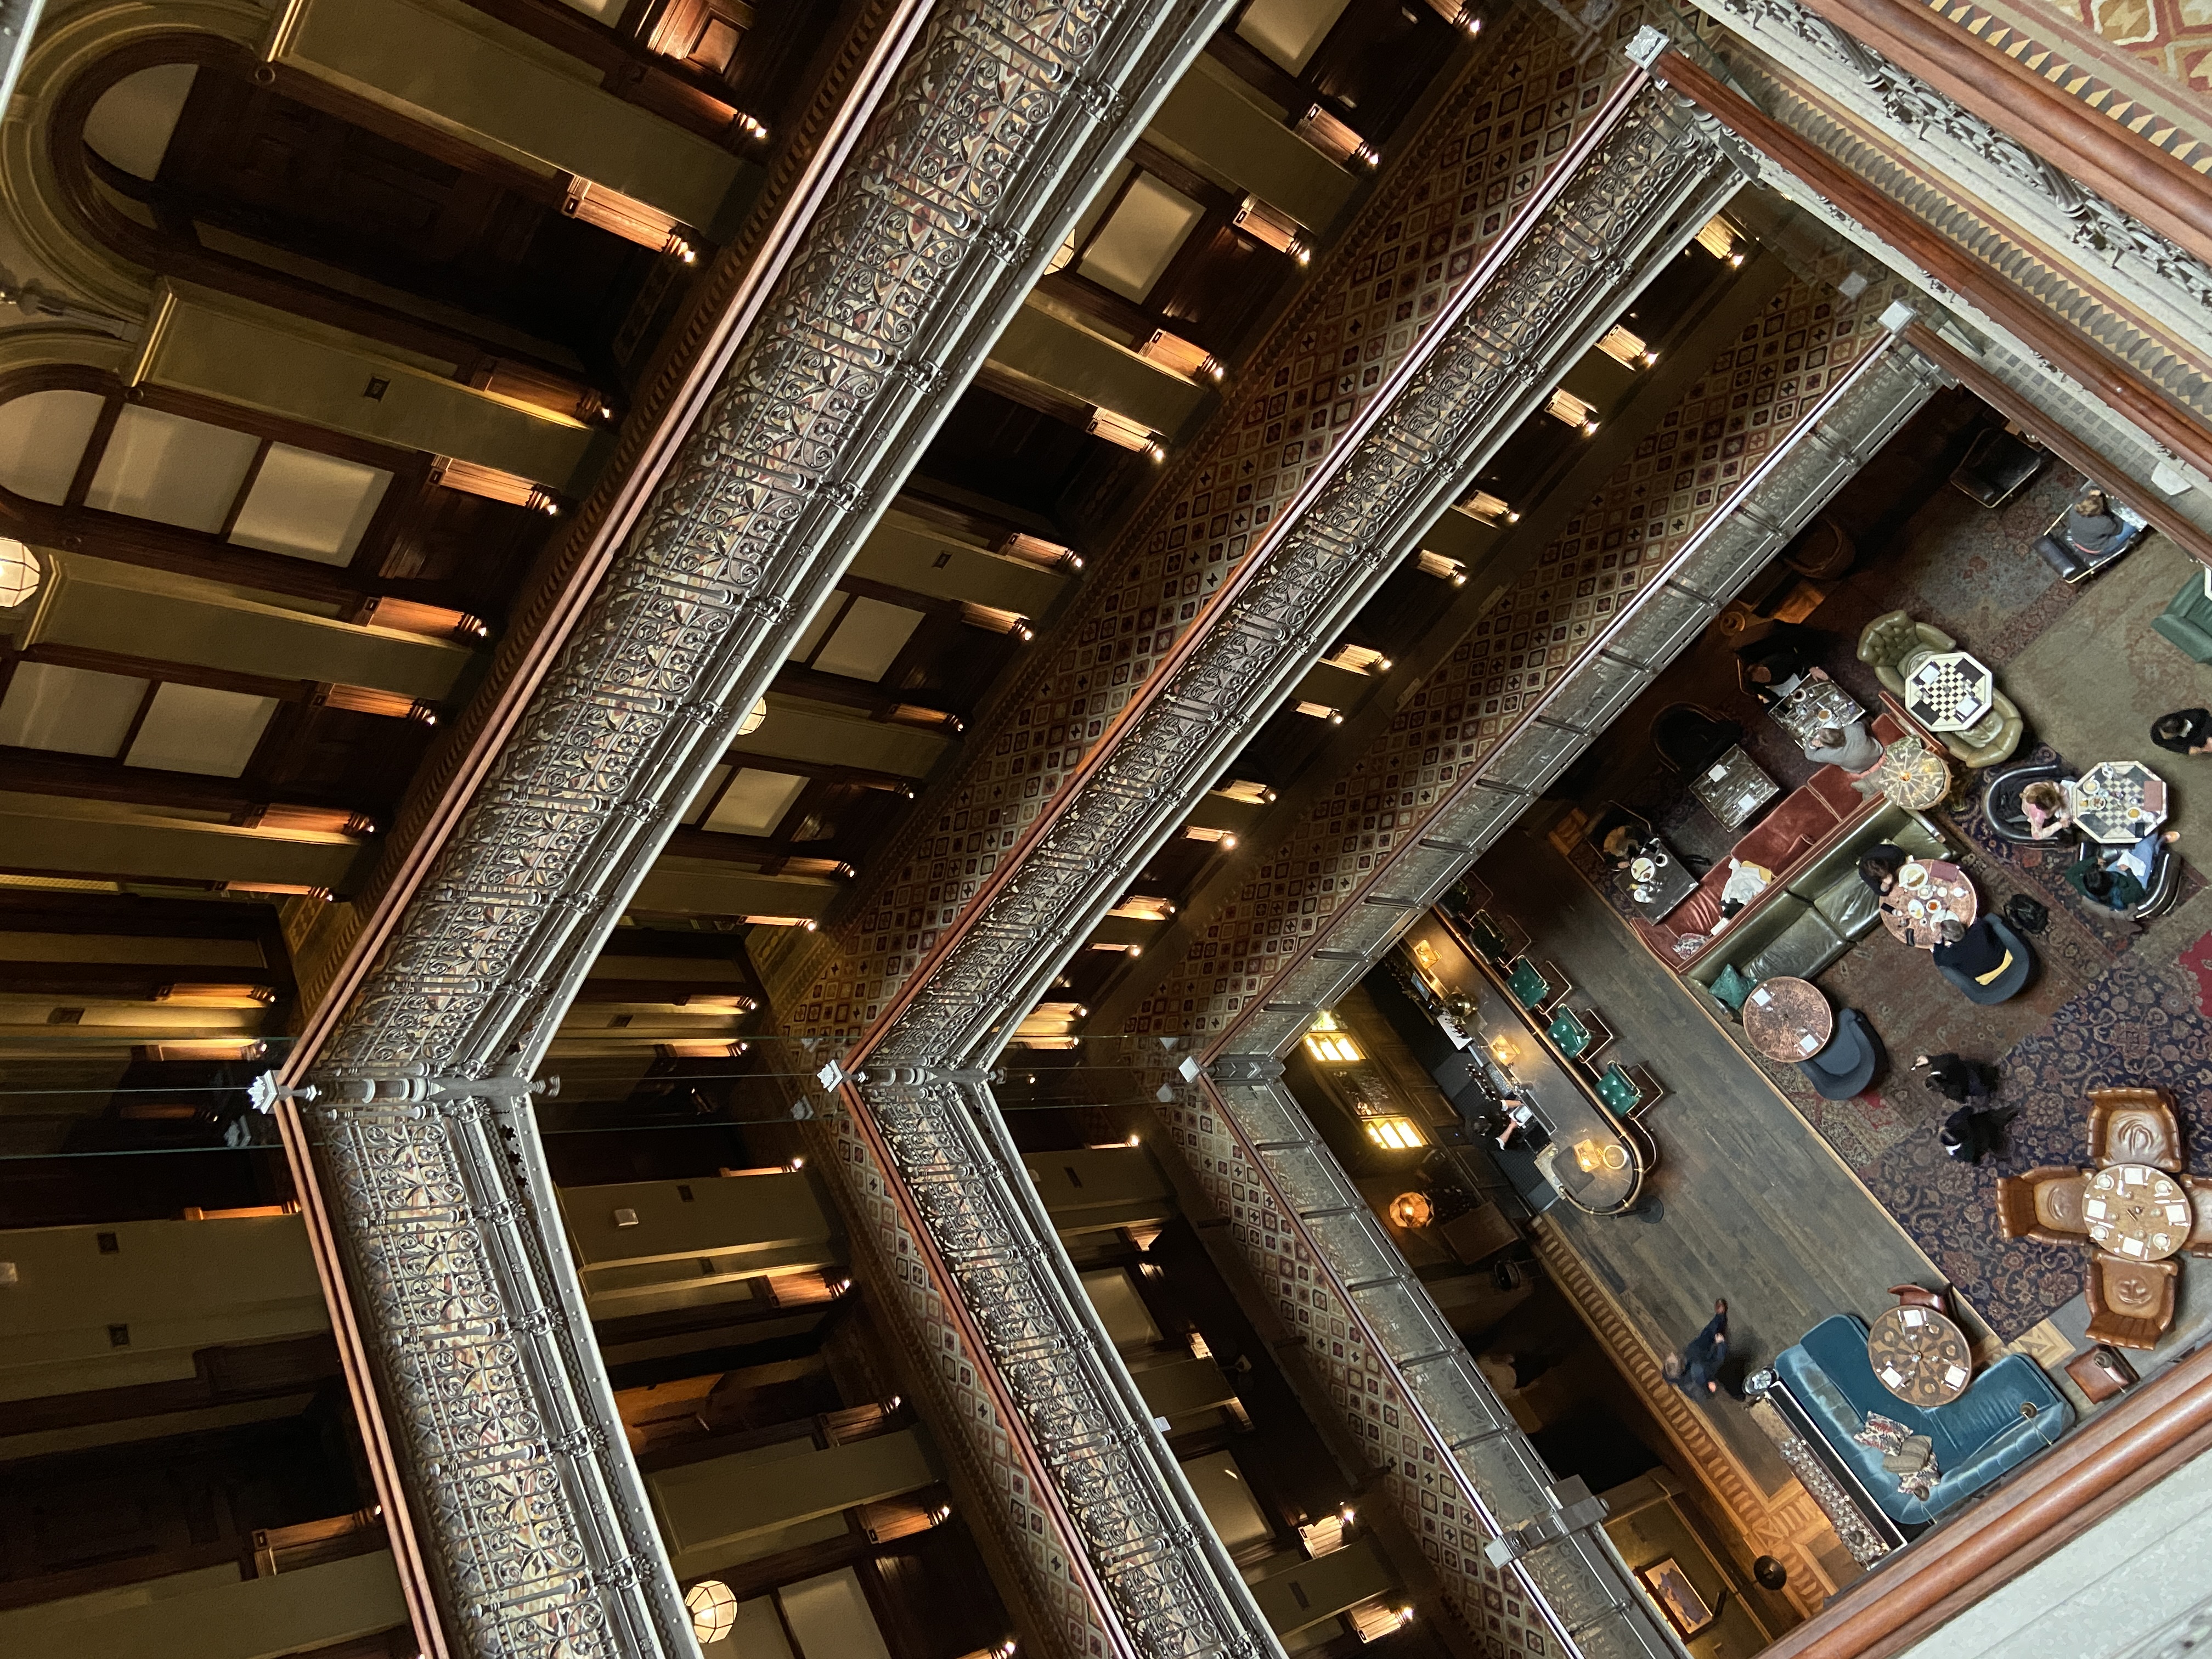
2060 439
2122 1451
2113 383
1782 1526
2117 164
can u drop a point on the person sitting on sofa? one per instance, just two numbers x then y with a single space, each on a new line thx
2119 878
1854 748
2048 812
1879 864
1975 951
2184 732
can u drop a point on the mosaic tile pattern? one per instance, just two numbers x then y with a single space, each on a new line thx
1756 391
1493 1605
2173 37
1479 161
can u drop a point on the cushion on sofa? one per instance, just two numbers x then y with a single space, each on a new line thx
1976 1437
1806 946
1850 905
1731 986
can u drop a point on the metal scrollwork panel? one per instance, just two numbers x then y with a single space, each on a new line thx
1655 173
994 133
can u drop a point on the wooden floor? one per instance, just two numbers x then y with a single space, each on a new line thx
1753 1205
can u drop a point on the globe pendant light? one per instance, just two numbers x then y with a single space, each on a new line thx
20 574
714 1610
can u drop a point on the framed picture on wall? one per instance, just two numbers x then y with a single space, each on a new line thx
1677 1597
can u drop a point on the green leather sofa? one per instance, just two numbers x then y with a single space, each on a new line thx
2188 621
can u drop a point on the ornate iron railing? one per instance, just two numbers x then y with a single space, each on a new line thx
1001 124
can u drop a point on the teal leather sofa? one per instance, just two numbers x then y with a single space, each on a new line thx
1823 1387
2187 622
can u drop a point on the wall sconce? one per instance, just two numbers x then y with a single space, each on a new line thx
1444 569
1319 711
1221 838
1719 239
1335 140
1626 349
1252 795
1272 225
1489 508
1123 432
1570 410
1173 352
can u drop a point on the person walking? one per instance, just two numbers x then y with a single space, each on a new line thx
1972 1132
1697 1369
2184 732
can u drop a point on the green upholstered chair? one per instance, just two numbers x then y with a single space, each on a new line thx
1488 937
1569 1035
2187 622
1529 987
1891 639
1617 1090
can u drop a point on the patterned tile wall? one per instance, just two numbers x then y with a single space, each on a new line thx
1481 157
1757 390
2173 37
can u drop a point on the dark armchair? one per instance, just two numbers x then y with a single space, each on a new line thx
2001 799
2010 980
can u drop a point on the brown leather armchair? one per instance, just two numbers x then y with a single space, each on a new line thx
2130 1302
2043 1205
2200 1226
2136 1126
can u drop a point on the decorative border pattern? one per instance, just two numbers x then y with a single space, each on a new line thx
2076 80
998 128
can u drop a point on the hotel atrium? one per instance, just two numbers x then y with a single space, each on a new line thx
1150 831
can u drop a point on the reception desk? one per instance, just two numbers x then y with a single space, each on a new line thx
1596 1160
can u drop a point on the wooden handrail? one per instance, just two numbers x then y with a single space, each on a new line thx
2136 174
2075 449
2132 397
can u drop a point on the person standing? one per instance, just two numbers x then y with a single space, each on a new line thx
2184 732
1972 1132
1697 1369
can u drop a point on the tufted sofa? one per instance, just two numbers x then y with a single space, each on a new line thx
1823 1387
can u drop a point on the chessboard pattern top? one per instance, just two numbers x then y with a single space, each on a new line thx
1950 692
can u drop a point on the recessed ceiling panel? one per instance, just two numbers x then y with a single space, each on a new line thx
42 438
755 802
171 469
193 729
1289 31
868 640
311 506
73 710
1134 247
130 124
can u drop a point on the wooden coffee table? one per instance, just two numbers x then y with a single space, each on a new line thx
1788 1019
1920 1356
2137 1213
1946 894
